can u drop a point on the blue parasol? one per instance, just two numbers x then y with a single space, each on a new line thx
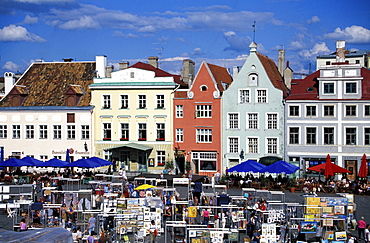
31 160
247 166
54 162
13 162
280 166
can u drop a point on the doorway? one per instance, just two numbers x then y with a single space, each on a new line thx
351 165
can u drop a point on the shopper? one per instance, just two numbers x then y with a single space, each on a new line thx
361 225
91 224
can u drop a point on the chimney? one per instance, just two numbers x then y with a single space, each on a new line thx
101 63
108 71
67 59
340 53
187 72
153 61
281 61
235 71
123 65
9 81
288 75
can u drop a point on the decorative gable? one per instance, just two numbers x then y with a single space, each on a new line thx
17 95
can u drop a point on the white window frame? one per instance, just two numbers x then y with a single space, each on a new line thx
161 157
356 135
106 129
368 107
203 135
299 110
274 122
306 109
261 99
273 146
142 101
179 135
16 131
351 82
323 135
252 148
366 135
57 130
124 101
160 128
233 148
316 135
3 131
244 98
299 135
71 132
141 129
350 105
248 123
203 111
43 132
179 111
253 82
323 87
85 132
30 131
125 129
160 101
233 120
106 101
329 105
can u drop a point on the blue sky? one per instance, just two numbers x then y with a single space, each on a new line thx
212 30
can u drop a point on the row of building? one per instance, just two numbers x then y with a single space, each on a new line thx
149 119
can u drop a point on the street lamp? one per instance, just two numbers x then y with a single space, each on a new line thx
241 155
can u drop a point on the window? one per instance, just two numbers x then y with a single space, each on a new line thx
294 110
16 131
44 158
367 136
132 74
244 96
233 120
43 131
310 110
203 88
107 131
351 88
205 160
142 131
328 110
233 145
106 101
71 132
350 136
85 132
204 111
3 131
204 135
311 135
57 131
272 121
328 135
161 158
294 135
30 131
327 63
124 131
252 120
367 110
179 111
261 96
160 131
351 110
70 117
142 101
124 101
272 145
253 79
253 145
160 101
179 135
328 88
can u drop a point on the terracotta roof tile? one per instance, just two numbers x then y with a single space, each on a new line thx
47 83
273 72
221 75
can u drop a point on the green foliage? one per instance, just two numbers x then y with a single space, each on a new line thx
169 164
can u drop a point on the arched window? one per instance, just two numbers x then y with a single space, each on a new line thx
203 88
253 79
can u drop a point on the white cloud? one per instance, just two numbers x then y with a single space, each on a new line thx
318 49
18 33
197 51
11 66
237 43
353 34
30 20
314 20
120 33
148 28
84 22
295 45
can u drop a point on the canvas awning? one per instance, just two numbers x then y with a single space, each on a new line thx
131 146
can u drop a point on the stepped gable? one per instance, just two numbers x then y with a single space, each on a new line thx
46 83
273 72
221 75
158 72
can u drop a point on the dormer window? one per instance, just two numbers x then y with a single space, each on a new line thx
253 79
17 95
73 95
203 88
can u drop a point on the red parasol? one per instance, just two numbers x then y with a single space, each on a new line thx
363 168
329 168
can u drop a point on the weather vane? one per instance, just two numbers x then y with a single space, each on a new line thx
254 31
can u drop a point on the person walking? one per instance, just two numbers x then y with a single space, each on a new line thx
91 224
361 225
205 215
153 232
